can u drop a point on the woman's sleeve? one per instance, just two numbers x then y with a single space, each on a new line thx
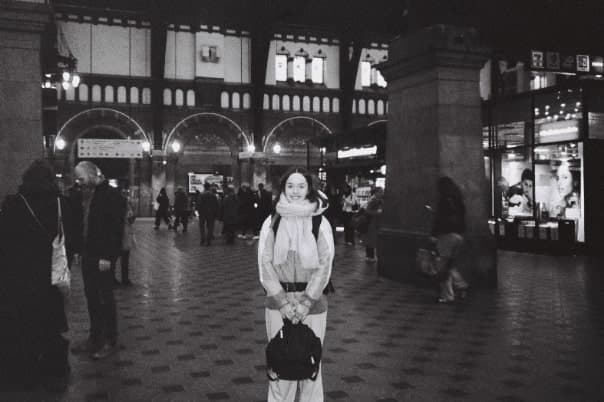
268 275
321 276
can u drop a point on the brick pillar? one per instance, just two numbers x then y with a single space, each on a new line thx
434 129
21 141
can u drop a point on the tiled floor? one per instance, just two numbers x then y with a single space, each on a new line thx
192 329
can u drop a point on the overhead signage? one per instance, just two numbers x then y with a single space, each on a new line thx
101 148
357 152
566 63
196 180
252 155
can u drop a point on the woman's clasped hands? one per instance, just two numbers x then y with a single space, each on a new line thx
294 311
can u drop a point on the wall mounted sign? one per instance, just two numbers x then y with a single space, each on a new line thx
196 180
356 152
565 62
101 148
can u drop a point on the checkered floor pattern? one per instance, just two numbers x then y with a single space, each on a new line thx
192 329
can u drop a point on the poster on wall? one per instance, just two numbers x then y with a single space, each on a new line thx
196 180
515 185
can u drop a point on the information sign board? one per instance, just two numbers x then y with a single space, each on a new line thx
103 148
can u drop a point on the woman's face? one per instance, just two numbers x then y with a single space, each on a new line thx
296 188
527 188
565 181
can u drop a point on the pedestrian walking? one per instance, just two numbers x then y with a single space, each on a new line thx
208 209
181 209
163 209
373 212
350 206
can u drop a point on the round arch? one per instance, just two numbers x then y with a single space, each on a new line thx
377 122
292 120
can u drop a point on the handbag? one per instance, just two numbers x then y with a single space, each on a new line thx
428 262
60 274
293 354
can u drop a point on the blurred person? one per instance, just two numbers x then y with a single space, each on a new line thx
181 209
373 210
208 209
128 242
294 268
32 349
230 214
101 216
163 209
264 200
350 206
247 211
448 227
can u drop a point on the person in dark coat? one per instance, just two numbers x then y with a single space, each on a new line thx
264 201
208 209
32 314
163 209
230 214
448 228
373 210
181 209
101 217
247 211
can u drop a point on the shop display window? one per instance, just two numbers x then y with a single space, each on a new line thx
512 123
514 185
558 116
595 117
559 187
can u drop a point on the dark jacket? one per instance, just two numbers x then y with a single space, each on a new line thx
265 203
25 268
105 223
207 205
450 217
181 202
230 210
163 203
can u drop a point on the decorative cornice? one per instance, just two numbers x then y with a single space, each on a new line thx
23 16
434 46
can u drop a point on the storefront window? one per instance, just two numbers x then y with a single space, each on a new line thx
514 184
559 185
558 116
512 124
595 116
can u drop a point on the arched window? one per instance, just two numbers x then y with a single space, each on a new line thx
167 96
326 108
179 97
134 95
354 106
371 106
247 100
70 94
83 89
285 101
109 94
224 100
306 104
146 96
190 97
362 106
236 99
336 105
296 103
380 107
96 93
121 94
275 102
265 102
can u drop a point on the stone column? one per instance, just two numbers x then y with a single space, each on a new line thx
434 130
21 25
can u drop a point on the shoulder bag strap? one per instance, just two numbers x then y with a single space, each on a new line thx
59 219
32 212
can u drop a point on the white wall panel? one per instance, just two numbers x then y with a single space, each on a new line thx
170 66
185 55
376 54
204 68
110 50
78 38
140 52
235 58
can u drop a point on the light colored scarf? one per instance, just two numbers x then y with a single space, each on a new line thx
295 232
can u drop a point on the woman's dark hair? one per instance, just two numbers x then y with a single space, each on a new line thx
313 194
448 189
38 178
162 191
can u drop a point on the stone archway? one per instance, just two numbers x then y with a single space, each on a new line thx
210 142
292 135
106 123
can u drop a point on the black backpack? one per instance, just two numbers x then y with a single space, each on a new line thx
293 354
316 224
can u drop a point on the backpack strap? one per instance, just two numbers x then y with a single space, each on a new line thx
316 224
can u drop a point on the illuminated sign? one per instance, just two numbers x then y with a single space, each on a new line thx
583 63
537 59
565 62
196 180
356 152
100 148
